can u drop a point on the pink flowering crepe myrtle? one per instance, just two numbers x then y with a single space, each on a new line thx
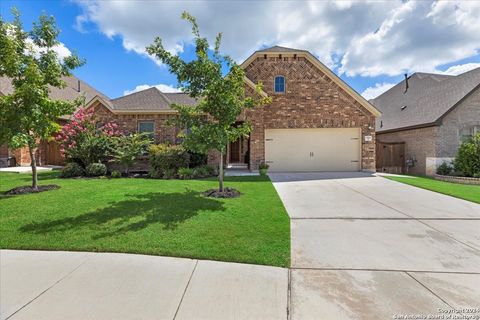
83 122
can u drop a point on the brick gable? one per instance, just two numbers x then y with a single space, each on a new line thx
311 100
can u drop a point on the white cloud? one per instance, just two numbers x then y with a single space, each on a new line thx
162 87
375 91
61 50
359 38
460 68
417 36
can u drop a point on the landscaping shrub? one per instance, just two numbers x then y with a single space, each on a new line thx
96 170
444 169
72 169
82 142
204 171
186 173
165 159
468 158
169 174
116 174
197 159
200 172
126 149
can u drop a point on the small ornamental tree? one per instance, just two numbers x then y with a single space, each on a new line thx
126 149
28 115
467 160
221 98
81 142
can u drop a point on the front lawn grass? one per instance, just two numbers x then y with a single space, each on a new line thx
147 216
462 191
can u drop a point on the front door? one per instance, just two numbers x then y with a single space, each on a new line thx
235 151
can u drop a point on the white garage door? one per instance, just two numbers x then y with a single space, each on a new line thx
335 149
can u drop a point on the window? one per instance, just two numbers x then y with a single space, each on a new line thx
147 127
279 84
467 133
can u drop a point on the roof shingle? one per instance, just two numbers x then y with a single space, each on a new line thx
428 98
151 99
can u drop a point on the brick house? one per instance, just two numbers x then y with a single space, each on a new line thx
48 151
427 122
315 122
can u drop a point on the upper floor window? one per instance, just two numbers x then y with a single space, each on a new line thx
147 127
279 84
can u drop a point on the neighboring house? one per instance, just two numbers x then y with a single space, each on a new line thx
424 126
315 122
48 151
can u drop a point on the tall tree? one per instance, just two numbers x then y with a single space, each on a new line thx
221 98
29 59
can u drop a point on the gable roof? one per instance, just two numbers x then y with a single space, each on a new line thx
70 92
428 98
276 49
329 73
150 99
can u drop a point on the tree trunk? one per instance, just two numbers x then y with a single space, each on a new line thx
33 164
220 173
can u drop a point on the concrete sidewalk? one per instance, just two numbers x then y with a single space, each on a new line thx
76 285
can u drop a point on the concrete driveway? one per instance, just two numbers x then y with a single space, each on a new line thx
364 247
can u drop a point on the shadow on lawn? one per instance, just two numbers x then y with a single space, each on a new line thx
134 214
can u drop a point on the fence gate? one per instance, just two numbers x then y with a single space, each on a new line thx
390 157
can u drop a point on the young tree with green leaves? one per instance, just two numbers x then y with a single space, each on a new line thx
28 115
221 98
127 148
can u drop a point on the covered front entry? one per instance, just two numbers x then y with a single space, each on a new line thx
238 155
325 149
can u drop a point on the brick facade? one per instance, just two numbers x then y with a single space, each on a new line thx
311 100
431 146
129 122
419 145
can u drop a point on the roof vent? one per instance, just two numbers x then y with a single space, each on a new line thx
403 108
78 86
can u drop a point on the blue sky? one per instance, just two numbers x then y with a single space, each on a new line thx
369 45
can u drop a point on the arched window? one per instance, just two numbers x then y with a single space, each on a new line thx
279 84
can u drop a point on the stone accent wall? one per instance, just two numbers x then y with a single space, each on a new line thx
455 179
465 115
419 145
311 100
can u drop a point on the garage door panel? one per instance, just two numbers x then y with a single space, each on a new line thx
326 149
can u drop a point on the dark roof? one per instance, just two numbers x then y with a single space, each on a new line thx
279 49
428 98
151 99
70 92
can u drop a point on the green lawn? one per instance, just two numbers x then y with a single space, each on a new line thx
158 217
462 191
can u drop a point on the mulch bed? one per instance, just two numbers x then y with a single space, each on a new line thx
227 193
28 189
